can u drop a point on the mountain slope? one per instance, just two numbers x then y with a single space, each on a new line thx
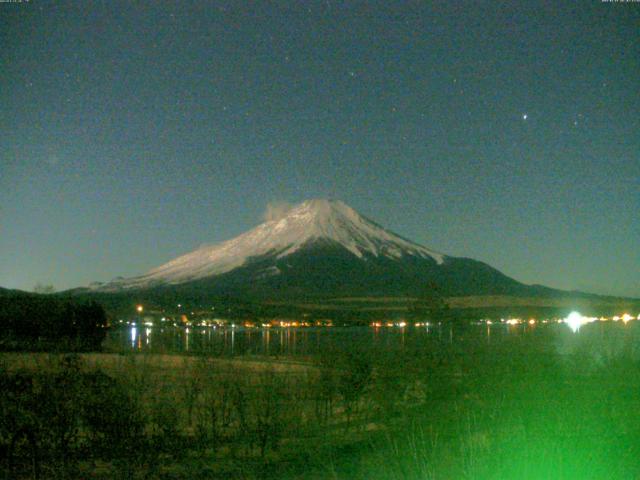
306 224
319 248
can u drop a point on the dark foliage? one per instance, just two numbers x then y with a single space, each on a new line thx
44 321
52 418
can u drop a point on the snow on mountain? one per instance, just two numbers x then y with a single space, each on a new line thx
307 222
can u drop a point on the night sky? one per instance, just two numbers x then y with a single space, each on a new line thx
508 132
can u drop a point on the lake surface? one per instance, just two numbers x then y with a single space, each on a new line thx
598 340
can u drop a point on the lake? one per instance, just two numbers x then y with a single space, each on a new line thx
598 340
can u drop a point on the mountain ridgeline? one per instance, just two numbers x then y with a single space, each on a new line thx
319 249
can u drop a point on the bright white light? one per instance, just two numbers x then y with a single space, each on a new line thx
626 317
575 321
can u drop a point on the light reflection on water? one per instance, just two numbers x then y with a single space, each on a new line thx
600 341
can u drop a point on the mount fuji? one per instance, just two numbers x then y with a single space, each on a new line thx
319 248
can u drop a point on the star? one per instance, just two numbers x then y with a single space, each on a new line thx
524 116
577 120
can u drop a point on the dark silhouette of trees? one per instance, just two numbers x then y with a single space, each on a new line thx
39 321
52 418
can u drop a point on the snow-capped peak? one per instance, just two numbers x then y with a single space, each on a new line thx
304 223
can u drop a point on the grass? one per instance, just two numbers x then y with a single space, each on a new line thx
515 409
115 363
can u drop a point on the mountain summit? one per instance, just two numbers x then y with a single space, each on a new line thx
326 221
319 247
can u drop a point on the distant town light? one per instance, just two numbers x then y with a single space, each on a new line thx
139 308
575 320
